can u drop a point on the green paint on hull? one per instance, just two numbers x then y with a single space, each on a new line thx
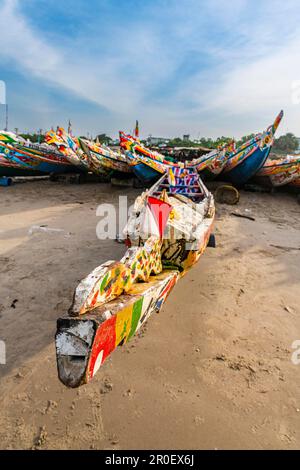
136 313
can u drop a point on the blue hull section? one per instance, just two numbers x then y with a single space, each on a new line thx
245 170
46 167
41 167
13 171
145 173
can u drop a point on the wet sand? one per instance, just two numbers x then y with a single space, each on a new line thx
213 370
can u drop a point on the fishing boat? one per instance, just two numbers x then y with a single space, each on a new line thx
246 161
213 166
39 158
168 231
69 146
279 172
105 159
127 139
147 169
149 165
182 200
10 169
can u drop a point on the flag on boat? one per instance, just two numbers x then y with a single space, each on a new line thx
70 128
156 217
136 130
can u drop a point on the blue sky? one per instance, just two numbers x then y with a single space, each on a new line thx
207 68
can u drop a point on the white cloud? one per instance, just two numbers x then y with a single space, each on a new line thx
261 87
20 44
101 81
247 82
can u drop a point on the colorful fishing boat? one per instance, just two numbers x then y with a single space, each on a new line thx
213 167
69 146
279 172
40 158
170 227
105 159
10 169
128 140
149 165
185 209
147 169
246 161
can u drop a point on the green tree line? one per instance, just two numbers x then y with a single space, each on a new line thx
287 143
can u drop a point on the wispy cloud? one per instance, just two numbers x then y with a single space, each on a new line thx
209 67
105 80
22 44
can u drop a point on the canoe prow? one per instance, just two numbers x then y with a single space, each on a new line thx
73 341
112 303
84 342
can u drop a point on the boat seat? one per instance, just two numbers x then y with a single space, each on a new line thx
179 186
182 193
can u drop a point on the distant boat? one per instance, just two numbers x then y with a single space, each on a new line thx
69 146
145 168
9 168
280 172
38 158
149 165
104 159
251 156
216 165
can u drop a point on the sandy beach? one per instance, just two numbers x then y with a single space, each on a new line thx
213 370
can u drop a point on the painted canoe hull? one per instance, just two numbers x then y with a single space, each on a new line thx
36 160
83 343
279 172
240 174
111 164
145 173
148 174
215 168
46 167
150 170
36 164
9 168
246 161
271 182
18 171
69 147
117 298
104 160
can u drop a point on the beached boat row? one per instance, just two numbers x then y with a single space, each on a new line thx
168 230
63 153
19 157
237 165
